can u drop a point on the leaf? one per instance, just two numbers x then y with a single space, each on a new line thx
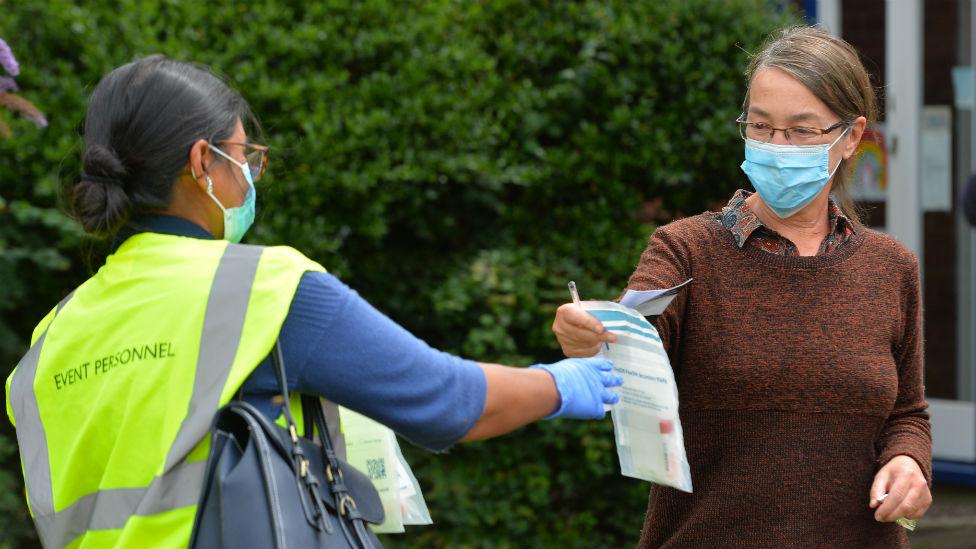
17 103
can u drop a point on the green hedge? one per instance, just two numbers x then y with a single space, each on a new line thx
456 162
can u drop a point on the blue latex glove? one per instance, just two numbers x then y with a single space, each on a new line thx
583 386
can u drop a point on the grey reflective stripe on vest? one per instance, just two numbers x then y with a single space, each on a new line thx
30 430
111 509
223 325
181 481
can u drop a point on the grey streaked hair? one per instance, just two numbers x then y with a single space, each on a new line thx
832 70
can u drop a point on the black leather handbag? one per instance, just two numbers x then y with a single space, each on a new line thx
266 487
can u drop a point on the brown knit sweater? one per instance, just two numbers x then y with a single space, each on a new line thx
798 378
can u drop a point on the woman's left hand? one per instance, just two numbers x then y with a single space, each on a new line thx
908 493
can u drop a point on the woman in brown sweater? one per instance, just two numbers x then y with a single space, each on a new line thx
797 348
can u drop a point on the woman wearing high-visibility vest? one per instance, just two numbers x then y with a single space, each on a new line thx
115 396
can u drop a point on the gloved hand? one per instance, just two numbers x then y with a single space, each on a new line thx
583 386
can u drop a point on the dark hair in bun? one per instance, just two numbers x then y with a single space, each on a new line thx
142 119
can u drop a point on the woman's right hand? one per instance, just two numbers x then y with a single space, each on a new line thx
579 333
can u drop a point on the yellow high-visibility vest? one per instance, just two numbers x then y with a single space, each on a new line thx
114 399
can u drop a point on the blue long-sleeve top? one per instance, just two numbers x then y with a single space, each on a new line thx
338 346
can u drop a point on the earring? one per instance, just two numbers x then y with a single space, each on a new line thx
193 173
209 184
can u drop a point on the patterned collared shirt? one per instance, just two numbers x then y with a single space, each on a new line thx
746 227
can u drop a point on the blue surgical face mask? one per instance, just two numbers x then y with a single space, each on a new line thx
788 177
236 220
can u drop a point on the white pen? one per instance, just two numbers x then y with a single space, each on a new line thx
576 301
574 294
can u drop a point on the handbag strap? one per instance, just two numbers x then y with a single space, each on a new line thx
312 412
346 505
311 406
315 418
298 454
300 461
278 361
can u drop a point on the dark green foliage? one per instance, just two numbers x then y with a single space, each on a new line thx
456 162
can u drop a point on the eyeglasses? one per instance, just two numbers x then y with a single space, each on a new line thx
797 135
256 157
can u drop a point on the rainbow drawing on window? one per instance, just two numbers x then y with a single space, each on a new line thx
869 167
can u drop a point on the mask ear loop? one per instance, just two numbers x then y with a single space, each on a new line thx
839 137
